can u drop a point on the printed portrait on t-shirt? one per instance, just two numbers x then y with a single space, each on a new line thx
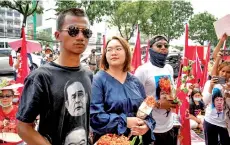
75 98
76 137
163 89
217 102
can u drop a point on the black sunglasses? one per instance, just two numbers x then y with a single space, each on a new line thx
5 96
161 45
74 31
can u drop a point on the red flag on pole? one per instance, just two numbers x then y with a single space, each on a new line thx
23 69
196 67
147 52
199 73
136 59
184 135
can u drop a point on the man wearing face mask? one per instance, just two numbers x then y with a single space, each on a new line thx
149 74
8 116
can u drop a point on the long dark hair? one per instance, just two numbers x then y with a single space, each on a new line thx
193 93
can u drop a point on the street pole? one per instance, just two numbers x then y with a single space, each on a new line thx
34 20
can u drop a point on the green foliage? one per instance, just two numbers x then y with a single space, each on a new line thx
45 38
26 8
201 28
166 18
125 16
95 10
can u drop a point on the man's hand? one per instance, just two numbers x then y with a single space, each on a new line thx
213 81
167 104
224 37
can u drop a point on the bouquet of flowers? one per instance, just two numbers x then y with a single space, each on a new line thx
113 139
166 86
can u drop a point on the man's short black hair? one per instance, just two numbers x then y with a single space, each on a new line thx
157 38
72 12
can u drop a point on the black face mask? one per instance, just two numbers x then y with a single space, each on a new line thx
157 59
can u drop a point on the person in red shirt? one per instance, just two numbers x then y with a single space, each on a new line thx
7 116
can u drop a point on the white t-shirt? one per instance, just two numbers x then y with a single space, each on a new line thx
211 114
149 75
14 56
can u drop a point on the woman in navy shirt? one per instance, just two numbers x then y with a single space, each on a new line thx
117 95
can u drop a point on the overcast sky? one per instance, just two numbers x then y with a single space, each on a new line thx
219 8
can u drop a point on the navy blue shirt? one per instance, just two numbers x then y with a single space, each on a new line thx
112 102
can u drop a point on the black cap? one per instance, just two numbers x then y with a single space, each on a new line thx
157 38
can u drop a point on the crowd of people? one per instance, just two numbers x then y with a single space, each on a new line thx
76 106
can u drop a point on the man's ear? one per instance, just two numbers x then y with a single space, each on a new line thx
57 36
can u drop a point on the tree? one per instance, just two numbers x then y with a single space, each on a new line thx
26 8
45 38
201 28
125 16
95 10
166 18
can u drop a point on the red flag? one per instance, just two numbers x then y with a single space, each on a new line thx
205 74
136 59
196 67
147 52
23 69
184 134
199 73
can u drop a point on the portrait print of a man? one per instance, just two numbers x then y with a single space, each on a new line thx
76 98
218 102
76 137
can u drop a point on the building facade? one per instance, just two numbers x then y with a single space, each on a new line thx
10 23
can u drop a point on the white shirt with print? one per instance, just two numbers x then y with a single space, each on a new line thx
149 74
211 115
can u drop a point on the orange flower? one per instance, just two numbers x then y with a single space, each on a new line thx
113 139
165 84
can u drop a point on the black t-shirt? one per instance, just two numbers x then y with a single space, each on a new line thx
61 96
196 109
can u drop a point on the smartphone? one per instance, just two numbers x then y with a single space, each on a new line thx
226 52
221 80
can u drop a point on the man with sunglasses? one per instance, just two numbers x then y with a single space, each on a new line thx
149 74
44 91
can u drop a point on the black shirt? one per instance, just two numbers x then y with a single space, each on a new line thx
61 96
196 109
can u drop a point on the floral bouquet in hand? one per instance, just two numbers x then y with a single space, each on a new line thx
166 87
113 139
